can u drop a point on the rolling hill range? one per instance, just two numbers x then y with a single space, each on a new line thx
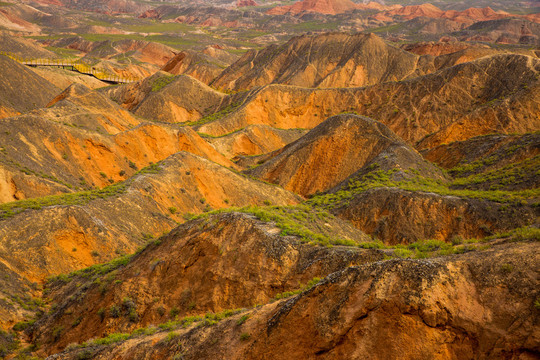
259 187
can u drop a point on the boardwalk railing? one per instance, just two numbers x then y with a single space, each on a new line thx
74 65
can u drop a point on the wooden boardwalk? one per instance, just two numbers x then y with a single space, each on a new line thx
73 65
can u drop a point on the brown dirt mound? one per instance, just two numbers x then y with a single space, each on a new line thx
254 140
158 98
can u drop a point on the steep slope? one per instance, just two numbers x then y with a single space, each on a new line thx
328 7
226 261
441 308
456 103
333 151
23 47
11 19
468 16
383 187
64 78
397 216
108 7
327 60
21 89
166 98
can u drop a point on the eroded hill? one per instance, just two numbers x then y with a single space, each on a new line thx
22 89
328 60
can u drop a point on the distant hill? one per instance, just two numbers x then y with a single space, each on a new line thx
328 60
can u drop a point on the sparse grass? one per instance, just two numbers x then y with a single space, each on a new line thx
242 320
302 288
208 319
63 52
161 82
432 248
379 178
299 220
510 175
110 339
213 117
8 210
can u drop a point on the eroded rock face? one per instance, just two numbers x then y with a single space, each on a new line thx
224 262
254 140
397 216
244 3
330 153
200 66
451 308
443 308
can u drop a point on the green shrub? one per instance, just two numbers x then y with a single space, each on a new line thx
173 313
242 319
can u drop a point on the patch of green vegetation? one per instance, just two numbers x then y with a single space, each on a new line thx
9 343
386 29
299 220
510 175
159 27
208 136
63 52
417 183
27 302
208 319
8 210
161 82
242 320
213 117
92 271
314 26
431 248
80 198
110 339
23 325
302 288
